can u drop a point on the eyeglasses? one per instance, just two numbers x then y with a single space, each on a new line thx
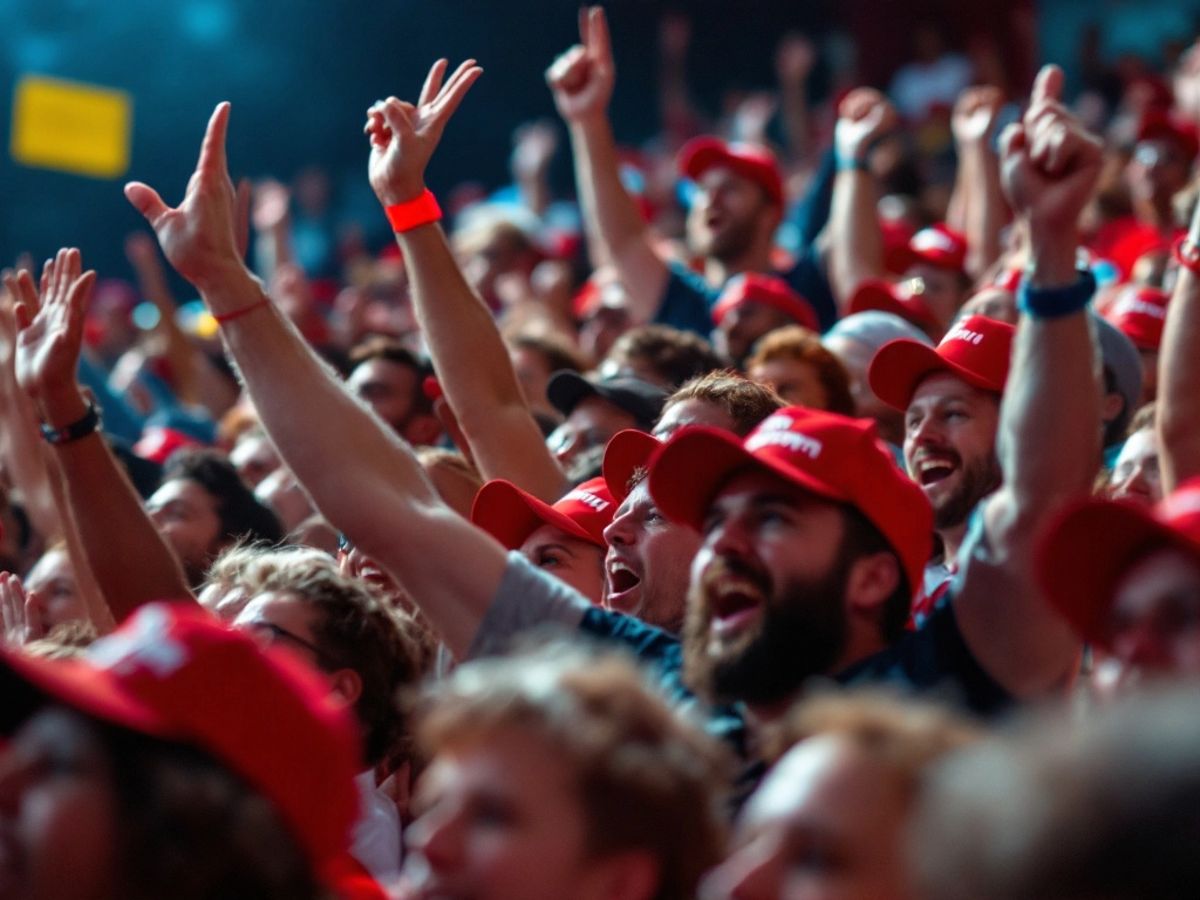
273 633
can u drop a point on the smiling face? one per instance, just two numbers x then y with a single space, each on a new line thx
496 819
573 560
949 446
647 562
767 607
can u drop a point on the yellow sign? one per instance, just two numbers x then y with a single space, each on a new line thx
71 127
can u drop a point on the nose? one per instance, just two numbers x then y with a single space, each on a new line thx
731 537
620 532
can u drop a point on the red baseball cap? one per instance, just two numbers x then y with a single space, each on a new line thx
769 290
977 350
1139 313
158 443
1087 549
626 453
938 246
902 298
833 456
751 161
173 672
1157 125
511 515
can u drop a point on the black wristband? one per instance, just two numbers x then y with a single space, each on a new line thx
1054 303
80 428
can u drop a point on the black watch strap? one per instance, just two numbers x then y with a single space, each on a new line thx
80 428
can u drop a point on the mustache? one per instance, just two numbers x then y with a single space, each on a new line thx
723 567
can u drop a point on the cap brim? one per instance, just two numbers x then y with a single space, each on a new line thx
689 470
878 297
700 156
1086 551
627 451
567 389
899 366
28 683
511 515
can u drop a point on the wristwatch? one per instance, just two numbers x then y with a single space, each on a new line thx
80 428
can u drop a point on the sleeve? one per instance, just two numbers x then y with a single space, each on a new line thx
526 598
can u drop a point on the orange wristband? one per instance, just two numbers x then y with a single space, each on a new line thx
421 211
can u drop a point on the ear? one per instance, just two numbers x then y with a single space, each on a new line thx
347 685
873 578
1111 407
626 875
423 430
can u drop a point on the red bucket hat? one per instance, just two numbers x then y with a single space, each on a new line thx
768 290
833 456
1140 313
750 161
172 671
511 515
1084 553
977 350
627 452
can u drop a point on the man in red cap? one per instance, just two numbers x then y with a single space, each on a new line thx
736 209
1139 312
565 539
750 306
934 281
950 397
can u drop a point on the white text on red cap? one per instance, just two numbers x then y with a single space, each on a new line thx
147 644
588 499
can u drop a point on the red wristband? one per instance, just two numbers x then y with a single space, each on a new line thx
421 211
238 313
1187 254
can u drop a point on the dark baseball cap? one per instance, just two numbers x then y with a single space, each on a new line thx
641 399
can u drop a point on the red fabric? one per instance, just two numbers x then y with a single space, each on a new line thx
350 881
750 161
1091 545
897 298
938 246
1124 241
1139 313
833 456
768 290
977 350
627 451
511 515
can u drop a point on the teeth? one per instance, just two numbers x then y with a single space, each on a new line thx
926 465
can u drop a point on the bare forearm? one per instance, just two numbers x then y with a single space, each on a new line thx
24 457
98 610
617 220
985 213
474 369
1178 380
856 241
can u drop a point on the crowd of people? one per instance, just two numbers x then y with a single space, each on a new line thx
780 519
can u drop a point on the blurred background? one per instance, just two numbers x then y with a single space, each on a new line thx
301 73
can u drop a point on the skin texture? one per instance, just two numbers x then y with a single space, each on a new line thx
590 424
743 325
692 411
1135 476
1155 620
254 458
577 562
58 812
51 587
792 379
390 388
827 824
497 818
950 427
186 516
647 562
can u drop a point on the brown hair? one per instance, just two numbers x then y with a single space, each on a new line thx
646 779
747 402
803 345
673 356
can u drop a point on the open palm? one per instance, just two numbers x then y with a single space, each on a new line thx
50 323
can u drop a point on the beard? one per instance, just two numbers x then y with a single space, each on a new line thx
729 244
801 632
976 480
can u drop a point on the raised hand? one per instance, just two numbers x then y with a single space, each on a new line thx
1049 163
50 326
534 146
200 237
271 204
794 58
20 616
403 137
975 114
582 79
864 116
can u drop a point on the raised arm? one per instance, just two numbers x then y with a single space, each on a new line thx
1049 435
131 562
474 369
1179 374
377 495
855 238
977 188
794 60
582 82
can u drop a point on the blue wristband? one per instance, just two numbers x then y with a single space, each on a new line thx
852 164
1054 303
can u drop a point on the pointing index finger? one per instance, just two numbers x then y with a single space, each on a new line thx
1048 86
212 150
